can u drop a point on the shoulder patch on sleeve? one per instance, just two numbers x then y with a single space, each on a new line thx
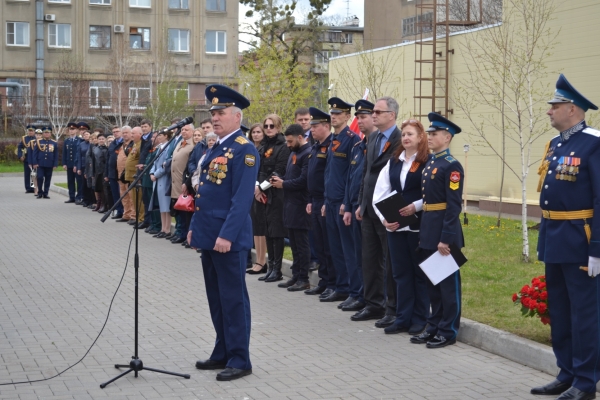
592 131
450 159
241 140
249 160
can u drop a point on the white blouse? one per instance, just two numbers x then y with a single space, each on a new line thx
383 187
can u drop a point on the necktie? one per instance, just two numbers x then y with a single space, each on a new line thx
378 143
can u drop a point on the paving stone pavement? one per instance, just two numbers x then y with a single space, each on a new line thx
60 266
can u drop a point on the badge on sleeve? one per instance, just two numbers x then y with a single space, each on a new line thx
454 180
250 160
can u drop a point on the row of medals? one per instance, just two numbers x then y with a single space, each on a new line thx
566 172
218 168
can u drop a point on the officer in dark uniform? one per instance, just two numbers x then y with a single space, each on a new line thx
22 148
569 240
45 158
320 127
348 283
351 204
222 229
442 189
69 155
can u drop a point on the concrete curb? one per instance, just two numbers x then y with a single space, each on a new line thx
17 174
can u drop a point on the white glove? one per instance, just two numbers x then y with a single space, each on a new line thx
593 266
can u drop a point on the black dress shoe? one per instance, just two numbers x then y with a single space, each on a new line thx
84 204
385 321
144 225
316 290
170 236
132 222
122 220
260 271
416 329
178 240
287 284
423 338
153 231
30 191
210 364
439 341
554 387
575 394
230 374
313 266
148 229
39 196
264 278
298 286
394 328
367 313
160 235
326 293
356 305
46 196
184 243
78 202
70 201
275 276
345 302
117 217
335 296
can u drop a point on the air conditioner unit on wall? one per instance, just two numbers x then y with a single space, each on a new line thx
119 28
49 17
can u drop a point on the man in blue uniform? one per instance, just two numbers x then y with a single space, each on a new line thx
569 240
45 158
110 172
442 189
22 148
222 229
69 156
348 282
320 127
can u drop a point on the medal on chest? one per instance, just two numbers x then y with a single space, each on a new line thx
567 169
217 169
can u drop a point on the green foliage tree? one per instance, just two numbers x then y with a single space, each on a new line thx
167 102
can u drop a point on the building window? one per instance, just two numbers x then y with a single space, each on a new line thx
99 37
139 38
417 24
101 2
216 42
100 94
331 37
139 3
346 38
59 93
215 5
179 4
59 35
323 57
139 95
17 33
181 93
12 94
59 1
179 40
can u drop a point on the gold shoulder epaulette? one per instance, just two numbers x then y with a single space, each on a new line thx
23 140
37 142
242 140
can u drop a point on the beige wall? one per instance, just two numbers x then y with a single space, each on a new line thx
576 55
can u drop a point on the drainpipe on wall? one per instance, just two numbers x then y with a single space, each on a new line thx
39 55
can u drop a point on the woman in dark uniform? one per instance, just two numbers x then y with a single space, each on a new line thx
256 134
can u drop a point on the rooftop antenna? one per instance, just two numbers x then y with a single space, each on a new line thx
347 8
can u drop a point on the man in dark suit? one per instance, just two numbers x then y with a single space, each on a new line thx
376 264
110 173
22 148
69 156
146 126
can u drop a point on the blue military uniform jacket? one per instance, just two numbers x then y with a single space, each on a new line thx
45 153
357 160
225 195
338 164
295 190
442 182
70 148
317 161
24 147
82 150
570 182
111 164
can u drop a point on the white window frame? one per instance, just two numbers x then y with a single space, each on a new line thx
322 57
100 2
179 48
219 3
55 85
25 91
95 88
223 35
180 5
56 37
134 96
104 39
25 26
182 89
142 34
136 3
60 1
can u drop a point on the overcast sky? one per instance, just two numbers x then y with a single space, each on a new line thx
341 8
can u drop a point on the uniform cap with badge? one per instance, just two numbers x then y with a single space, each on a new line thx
221 96
338 106
83 125
317 116
363 107
439 123
566 93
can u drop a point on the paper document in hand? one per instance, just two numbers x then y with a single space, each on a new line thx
438 267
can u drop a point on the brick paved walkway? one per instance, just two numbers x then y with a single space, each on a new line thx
59 267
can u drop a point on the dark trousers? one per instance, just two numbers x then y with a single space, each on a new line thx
146 196
319 225
116 194
311 242
342 252
156 221
574 304
229 304
27 175
300 252
183 219
356 229
71 182
379 285
412 299
44 176
446 303
88 191
80 186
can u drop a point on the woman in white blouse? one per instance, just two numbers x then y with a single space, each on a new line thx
403 175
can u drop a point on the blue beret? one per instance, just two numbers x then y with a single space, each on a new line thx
364 107
439 123
221 96
337 105
83 124
317 116
566 93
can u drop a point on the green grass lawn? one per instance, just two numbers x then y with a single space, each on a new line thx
62 185
11 167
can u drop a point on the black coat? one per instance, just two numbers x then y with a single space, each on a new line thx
274 155
111 165
295 190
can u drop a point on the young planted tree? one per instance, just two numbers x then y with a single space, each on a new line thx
506 73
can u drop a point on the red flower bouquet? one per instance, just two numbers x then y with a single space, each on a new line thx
534 299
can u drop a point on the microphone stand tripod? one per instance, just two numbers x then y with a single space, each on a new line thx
136 365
